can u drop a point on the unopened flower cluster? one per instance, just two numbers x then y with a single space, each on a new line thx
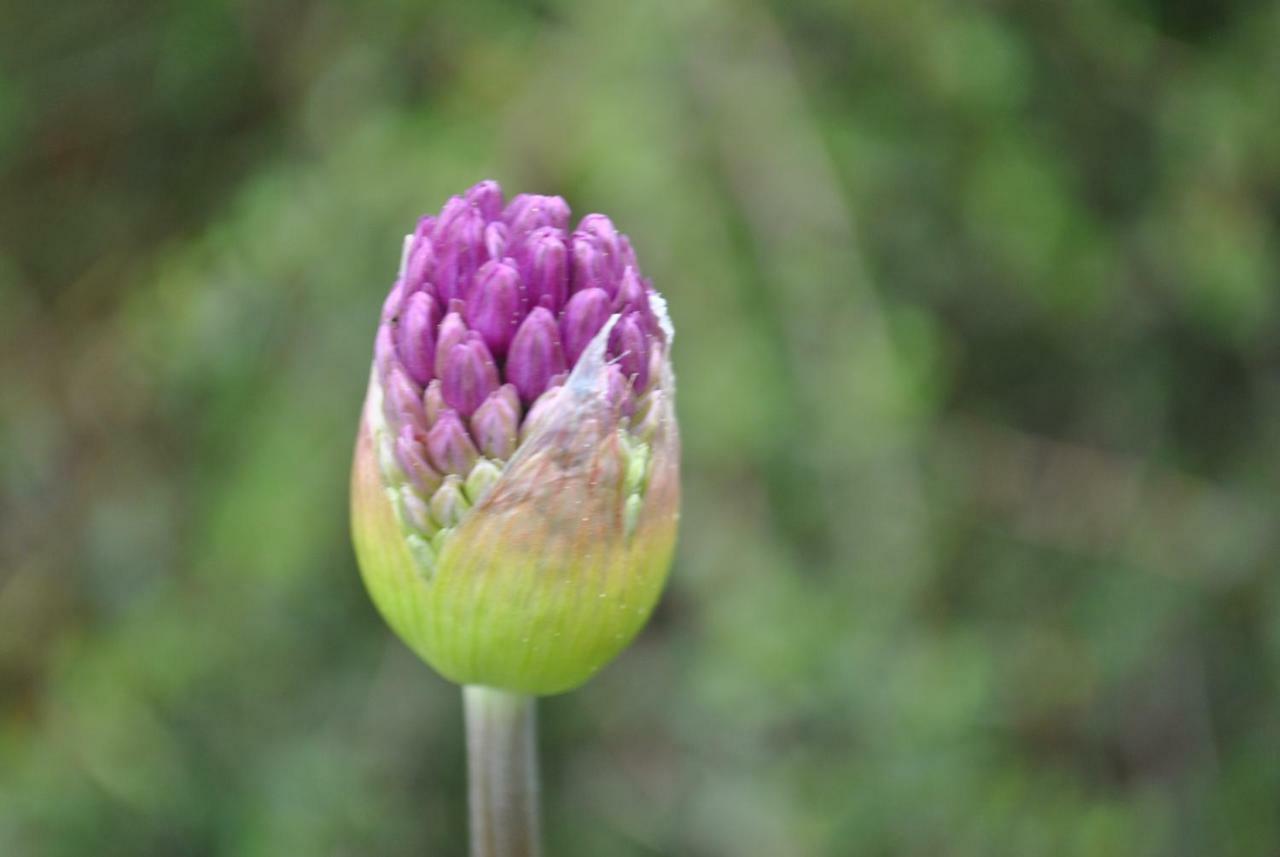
494 304
521 392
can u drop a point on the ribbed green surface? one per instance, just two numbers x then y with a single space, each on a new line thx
540 585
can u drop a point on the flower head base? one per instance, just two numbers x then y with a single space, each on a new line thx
515 489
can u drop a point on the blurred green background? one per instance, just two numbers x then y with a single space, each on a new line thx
979 352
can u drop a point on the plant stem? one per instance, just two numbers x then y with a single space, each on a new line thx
502 772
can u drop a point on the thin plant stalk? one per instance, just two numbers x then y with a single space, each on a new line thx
502 772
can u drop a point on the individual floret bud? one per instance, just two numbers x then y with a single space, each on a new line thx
450 502
403 397
459 248
629 345
536 354
584 315
495 240
483 476
433 402
413 511
529 211
417 336
496 423
493 308
486 197
545 268
419 265
468 375
411 455
449 445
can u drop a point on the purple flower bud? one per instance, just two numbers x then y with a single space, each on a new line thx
449 447
403 402
417 334
626 255
584 315
426 227
495 239
536 354
395 298
493 307
433 402
459 248
496 423
590 267
419 266
384 350
634 298
514 519
658 357
487 199
527 211
631 294
452 331
468 375
411 455
606 239
629 345
545 266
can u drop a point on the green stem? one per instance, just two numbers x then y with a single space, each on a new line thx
502 772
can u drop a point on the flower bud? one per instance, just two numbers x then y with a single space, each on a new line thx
629 345
468 375
536 354
529 211
584 315
493 309
403 398
419 265
486 197
417 336
449 446
452 331
495 240
496 423
413 511
545 269
515 488
459 248
411 455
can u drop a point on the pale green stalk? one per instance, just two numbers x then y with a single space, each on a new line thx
502 772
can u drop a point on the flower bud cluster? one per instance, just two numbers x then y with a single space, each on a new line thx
495 305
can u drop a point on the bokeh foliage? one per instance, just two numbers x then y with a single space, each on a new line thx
979 354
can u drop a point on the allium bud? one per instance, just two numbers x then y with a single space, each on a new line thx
417 336
468 375
496 423
493 307
515 488
582 319
529 211
536 355
545 267
459 248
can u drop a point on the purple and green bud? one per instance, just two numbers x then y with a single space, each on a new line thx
515 489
